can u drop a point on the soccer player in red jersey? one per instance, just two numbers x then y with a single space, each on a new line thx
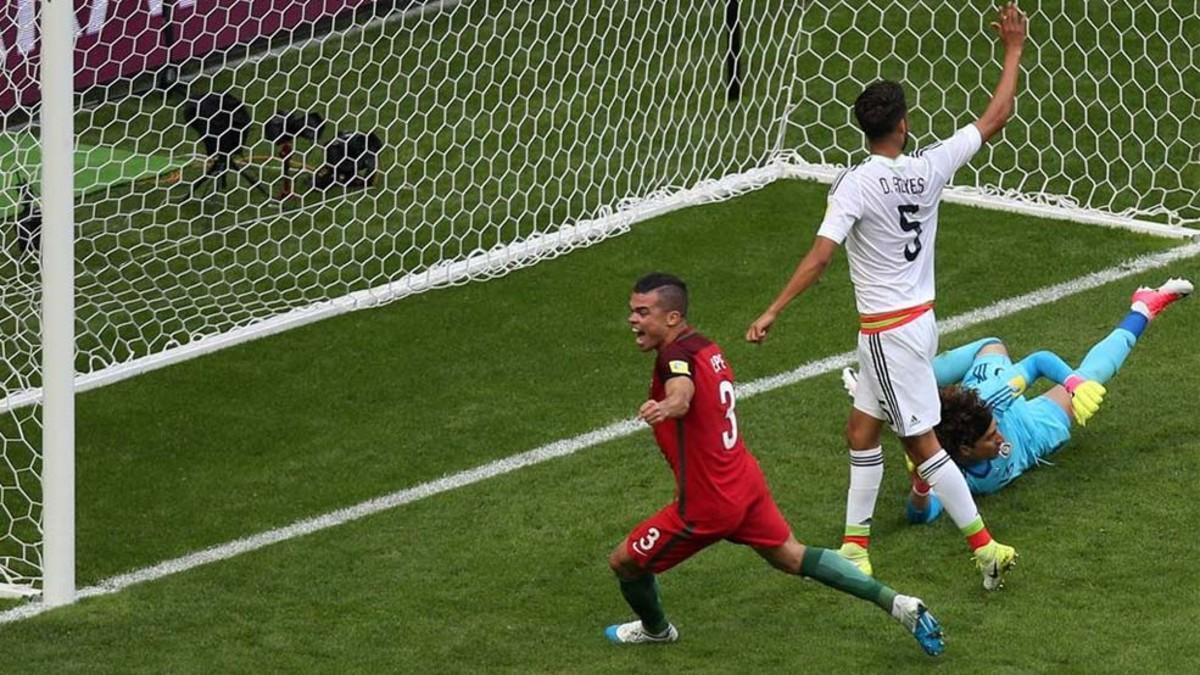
721 492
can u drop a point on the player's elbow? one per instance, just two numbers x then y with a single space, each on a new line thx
994 120
674 407
812 271
1005 114
819 258
988 127
1045 361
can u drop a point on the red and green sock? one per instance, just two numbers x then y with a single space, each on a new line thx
857 534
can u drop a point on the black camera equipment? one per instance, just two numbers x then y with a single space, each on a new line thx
351 161
222 122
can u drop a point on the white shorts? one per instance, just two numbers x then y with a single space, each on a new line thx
896 381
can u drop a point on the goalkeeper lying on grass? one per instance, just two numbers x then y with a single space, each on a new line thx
992 431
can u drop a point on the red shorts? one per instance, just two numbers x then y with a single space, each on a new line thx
664 540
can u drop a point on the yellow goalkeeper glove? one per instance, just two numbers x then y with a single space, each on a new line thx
1086 397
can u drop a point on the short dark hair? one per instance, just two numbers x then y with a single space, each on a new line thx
965 419
672 292
879 108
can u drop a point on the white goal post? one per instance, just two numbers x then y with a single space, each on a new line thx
242 167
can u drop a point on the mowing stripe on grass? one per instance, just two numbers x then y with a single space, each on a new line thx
574 444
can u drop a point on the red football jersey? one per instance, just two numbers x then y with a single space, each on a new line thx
704 448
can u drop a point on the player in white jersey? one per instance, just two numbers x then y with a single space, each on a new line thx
886 211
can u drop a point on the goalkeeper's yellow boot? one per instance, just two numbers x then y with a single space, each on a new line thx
994 559
857 555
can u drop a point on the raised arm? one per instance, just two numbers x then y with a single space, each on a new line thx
1010 26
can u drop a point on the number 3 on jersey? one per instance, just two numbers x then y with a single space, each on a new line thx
911 251
728 437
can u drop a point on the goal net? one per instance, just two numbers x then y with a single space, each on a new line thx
246 166
1107 108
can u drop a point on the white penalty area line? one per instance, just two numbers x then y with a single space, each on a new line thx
569 446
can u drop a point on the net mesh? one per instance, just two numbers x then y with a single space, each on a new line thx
242 161
247 165
1107 104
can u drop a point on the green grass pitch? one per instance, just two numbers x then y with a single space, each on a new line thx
509 575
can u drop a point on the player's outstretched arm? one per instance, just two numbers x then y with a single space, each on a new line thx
1010 27
807 272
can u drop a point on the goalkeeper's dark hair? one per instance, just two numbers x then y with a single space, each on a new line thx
965 419
879 108
672 292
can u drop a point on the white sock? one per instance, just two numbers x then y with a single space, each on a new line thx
898 613
866 475
949 485
1141 308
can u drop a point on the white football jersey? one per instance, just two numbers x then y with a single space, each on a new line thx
886 212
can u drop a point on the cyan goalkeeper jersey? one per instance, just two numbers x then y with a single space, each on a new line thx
1033 428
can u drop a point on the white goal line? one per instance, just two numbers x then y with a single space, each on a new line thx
569 446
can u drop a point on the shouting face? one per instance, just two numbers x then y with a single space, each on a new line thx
650 321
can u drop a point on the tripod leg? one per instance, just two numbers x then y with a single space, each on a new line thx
198 185
253 181
285 156
261 187
214 172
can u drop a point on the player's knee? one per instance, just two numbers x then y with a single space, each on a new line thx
615 563
623 565
851 432
787 558
921 447
786 566
862 430
792 560
860 436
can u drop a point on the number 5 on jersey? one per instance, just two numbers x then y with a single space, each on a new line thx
911 251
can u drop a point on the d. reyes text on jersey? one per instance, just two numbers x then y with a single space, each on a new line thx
904 186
